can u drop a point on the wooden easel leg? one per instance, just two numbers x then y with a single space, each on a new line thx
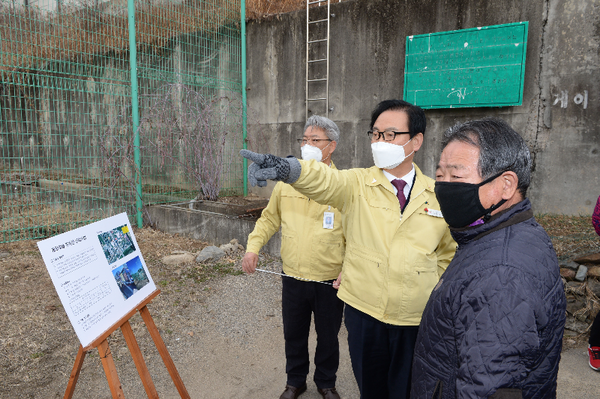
110 370
164 353
138 359
75 373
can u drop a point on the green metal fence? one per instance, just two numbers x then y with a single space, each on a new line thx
105 105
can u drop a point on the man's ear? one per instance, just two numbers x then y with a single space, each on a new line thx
510 182
333 146
417 141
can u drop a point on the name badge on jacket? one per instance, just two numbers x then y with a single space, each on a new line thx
328 220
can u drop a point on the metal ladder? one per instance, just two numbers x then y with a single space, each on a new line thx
314 48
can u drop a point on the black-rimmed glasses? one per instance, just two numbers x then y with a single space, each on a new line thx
374 135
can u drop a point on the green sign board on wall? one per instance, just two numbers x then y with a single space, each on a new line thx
478 67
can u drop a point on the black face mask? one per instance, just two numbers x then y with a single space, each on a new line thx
460 204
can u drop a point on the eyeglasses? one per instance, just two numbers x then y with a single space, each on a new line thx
374 135
311 141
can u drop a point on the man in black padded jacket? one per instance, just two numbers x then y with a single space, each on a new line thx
493 325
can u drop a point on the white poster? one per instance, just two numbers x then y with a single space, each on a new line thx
99 274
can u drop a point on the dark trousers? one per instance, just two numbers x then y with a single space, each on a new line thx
299 300
381 355
595 332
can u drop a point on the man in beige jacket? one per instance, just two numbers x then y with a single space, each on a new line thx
312 248
397 243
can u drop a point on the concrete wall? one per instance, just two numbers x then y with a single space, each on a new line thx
367 66
214 228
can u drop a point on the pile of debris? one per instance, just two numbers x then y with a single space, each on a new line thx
582 287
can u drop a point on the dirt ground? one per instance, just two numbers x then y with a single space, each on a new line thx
222 328
38 344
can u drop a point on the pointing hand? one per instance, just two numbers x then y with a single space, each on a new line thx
270 167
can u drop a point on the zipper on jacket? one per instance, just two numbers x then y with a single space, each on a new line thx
437 391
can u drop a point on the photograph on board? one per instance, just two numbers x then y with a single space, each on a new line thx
130 277
116 243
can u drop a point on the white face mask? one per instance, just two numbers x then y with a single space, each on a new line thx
388 155
310 152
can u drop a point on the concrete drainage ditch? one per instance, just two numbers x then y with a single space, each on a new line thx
214 222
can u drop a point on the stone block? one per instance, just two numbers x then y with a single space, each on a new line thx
569 265
594 286
593 258
594 271
581 273
568 274
210 253
575 325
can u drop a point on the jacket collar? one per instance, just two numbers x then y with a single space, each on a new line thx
419 194
377 178
515 214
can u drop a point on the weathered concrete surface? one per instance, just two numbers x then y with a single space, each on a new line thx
367 65
216 229
567 176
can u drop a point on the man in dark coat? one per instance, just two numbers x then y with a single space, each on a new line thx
493 325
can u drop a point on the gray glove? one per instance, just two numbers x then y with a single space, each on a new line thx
269 167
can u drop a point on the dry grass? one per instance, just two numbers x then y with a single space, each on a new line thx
30 39
259 9
571 235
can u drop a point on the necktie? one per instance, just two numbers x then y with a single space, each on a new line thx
399 184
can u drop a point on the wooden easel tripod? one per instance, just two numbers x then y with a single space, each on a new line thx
109 365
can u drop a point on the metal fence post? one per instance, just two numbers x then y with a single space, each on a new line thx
244 98
135 115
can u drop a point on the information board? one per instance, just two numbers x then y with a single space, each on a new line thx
99 274
478 67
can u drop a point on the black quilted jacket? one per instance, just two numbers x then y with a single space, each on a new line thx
494 324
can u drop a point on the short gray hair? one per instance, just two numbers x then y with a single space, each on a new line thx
331 129
501 149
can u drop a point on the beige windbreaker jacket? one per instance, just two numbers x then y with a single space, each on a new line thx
308 250
392 261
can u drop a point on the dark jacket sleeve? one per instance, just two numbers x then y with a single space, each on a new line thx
596 217
496 331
